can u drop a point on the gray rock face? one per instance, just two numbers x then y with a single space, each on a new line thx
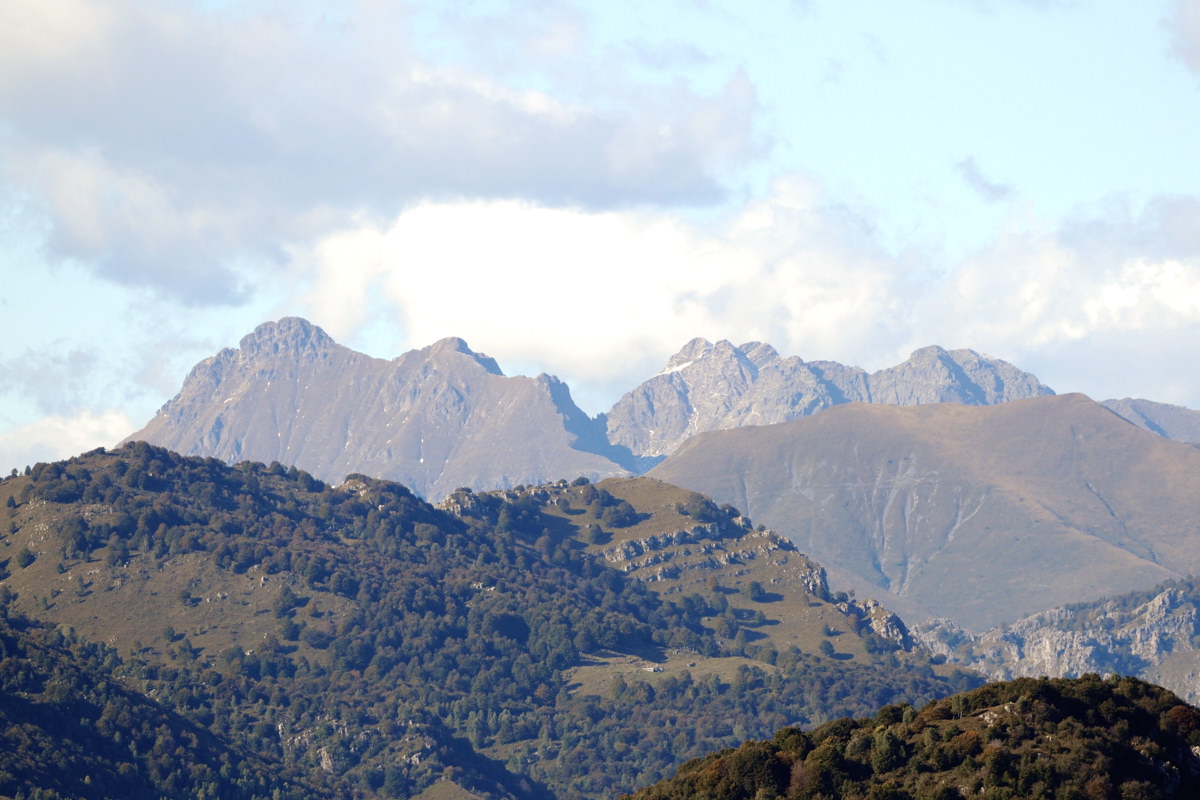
934 375
433 419
1129 635
708 387
1174 422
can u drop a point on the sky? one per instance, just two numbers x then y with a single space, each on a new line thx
580 188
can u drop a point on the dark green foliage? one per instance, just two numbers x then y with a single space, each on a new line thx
700 508
67 732
450 652
1028 739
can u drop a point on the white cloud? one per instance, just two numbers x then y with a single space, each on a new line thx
51 379
1108 304
974 177
601 299
57 437
37 34
1184 25
166 144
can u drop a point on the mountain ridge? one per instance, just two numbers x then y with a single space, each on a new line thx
977 513
717 386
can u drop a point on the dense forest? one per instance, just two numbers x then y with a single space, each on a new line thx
1033 739
373 644
66 730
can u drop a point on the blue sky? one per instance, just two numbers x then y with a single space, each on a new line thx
579 188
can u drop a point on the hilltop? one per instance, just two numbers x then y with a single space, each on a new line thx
1033 739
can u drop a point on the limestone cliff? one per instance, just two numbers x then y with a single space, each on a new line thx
1148 634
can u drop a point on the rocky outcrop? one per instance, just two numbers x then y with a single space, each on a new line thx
885 623
667 556
1127 635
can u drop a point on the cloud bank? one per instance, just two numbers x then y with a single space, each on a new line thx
62 436
169 145
1184 23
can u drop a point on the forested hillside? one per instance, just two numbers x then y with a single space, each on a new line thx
67 730
1085 738
377 645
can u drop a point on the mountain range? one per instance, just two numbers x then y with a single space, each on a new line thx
362 642
719 386
445 416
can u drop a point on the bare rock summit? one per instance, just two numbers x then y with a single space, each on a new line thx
707 386
434 419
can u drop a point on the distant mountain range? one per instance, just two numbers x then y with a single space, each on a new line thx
708 387
445 416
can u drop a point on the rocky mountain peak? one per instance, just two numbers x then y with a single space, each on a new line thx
691 352
719 386
290 336
453 344
287 334
760 353
931 357
935 375
434 419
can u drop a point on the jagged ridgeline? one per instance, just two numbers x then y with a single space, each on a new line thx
360 642
1031 739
